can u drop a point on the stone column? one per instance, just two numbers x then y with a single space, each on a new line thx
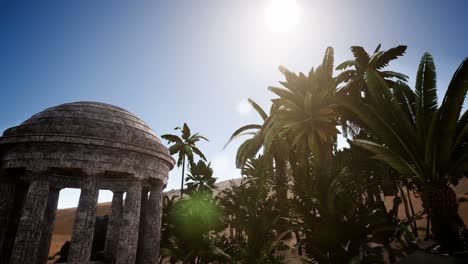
128 238
85 219
152 235
113 227
21 190
30 226
141 228
48 225
7 203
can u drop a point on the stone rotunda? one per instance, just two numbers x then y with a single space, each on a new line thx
91 146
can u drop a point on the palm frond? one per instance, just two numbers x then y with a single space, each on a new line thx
396 75
426 94
257 108
346 64
328 60
199 153
172 138
389 55
186 132
361 56
384 154
450 112
240 132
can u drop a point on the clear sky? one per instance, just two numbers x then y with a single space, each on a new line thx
194 61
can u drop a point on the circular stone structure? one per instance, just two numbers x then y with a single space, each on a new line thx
91 146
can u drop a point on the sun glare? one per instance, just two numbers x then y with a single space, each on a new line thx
282 15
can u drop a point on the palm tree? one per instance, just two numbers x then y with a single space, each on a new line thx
306 112
185 147
201 178
421 140
278 151
353 75
355 78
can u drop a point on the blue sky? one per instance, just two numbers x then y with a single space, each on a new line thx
179 61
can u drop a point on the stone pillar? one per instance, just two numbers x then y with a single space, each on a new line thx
21 190
113 227
141 229
85 219
7 203
28 236
48 225
152 235
128 238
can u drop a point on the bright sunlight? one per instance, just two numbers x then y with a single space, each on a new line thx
282 15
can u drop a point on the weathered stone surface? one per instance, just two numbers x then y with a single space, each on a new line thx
66 144
152 235
141 231
48 226
113 228
83 229
88 135
21 190
7 202
30 226
128 238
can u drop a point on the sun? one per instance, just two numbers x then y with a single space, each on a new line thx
282 15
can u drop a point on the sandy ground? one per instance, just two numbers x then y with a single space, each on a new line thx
65 217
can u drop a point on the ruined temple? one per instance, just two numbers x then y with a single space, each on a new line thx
91 146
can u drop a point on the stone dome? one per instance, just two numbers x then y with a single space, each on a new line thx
88 135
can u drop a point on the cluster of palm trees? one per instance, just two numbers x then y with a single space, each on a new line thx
299 186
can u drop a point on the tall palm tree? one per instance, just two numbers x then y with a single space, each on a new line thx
421 140
278 151
185 147
306 112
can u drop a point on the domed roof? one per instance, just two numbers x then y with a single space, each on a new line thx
89 123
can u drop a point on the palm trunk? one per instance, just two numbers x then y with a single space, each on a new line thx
415 226
281 192
281 185
440 202
182 184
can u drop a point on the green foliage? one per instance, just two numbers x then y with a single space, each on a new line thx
200 178
192 221
251 212
426 146
184 147
332 200
305 114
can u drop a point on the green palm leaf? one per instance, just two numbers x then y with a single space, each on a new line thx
389 55
361 56
450 112
382 153
346 64
426 94
172 138
258 109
